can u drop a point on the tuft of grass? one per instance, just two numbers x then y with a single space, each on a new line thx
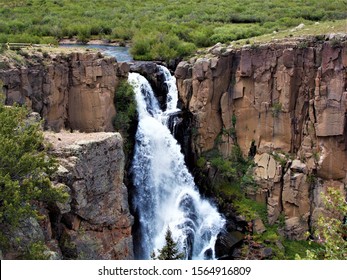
276 109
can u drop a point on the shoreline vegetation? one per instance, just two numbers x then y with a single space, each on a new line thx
317 30
162 30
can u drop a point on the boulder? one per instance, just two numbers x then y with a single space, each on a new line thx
298 166
266 253
225 243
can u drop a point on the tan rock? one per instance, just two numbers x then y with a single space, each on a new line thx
99 220
288 58
332 162
182 70
266 166
74 91
295 228
258 226
273 208
298 166
246 63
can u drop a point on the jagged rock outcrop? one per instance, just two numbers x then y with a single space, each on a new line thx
96 222
288 100
73 91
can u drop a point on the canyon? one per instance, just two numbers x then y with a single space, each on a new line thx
283 103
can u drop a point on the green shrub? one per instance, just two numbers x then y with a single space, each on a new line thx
185 49
141 47
276 109
126 116
36 251
201 23
303 45
124 33
335 43
201 37
330 231
25 167
201 162
281 158
4 65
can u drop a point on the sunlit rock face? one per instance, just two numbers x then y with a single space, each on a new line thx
96 222
73 91
289 101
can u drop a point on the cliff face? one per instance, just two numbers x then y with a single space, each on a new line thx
289 101
72 91
75 91
95 223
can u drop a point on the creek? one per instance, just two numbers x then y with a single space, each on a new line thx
120 53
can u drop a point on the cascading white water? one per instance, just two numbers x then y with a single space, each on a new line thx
165 193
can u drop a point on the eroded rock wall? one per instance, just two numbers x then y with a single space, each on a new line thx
289 102
96 222
73 91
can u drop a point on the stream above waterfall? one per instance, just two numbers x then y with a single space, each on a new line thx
122 54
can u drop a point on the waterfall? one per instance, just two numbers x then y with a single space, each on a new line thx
165 193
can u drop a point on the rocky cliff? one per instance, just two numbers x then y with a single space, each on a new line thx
285 103
75 91
72 90
95 223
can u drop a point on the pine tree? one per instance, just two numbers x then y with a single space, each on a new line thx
170 250
25 168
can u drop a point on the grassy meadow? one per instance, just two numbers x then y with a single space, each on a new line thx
161 29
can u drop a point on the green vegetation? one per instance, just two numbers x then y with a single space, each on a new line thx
126 116
25 169
232 168
314 30
36 251
283 249
158 29
281 157
276 109
170 250
234 180
331 231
